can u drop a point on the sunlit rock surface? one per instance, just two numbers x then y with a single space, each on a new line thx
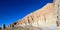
46 18
41 17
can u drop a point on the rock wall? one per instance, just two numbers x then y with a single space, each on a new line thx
42 17
47 16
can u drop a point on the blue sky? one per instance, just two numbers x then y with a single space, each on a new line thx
12 10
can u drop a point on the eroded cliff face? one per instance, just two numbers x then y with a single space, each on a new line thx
43 17
48 17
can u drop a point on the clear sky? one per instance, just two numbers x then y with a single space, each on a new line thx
12 10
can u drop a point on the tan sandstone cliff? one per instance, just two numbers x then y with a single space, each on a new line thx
47 16
41 17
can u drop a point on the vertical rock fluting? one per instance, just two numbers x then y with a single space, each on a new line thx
48 16
57 11
42 17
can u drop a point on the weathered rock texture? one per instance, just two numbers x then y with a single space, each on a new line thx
41 17
48 16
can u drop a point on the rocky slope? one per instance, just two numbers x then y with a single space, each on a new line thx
42 17
48 17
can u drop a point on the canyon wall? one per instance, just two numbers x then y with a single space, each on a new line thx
41 17
47 16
